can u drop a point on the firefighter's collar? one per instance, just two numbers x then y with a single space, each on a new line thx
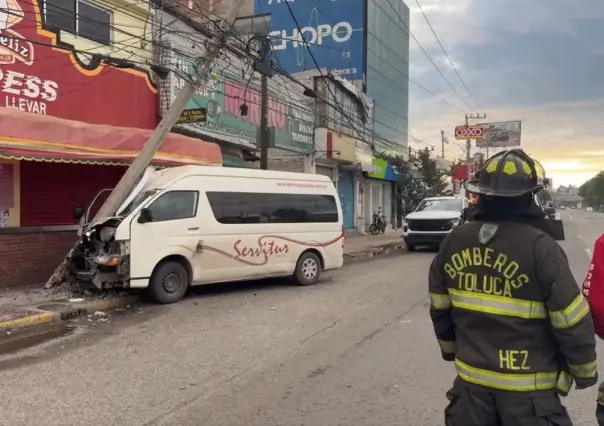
487 232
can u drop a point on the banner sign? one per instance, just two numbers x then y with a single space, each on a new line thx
475 131
222 98
333 30
500 135
382 170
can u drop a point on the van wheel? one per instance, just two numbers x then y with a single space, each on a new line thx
308 269
169 283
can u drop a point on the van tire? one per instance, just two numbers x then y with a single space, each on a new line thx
169 283
308 269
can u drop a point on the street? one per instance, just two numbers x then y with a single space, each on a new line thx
356 349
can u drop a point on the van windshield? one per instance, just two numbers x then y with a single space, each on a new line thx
137 201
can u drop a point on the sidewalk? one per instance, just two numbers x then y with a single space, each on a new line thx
27 307
372 245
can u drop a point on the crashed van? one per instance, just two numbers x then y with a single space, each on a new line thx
193 225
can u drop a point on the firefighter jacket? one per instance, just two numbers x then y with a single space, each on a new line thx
507 310
593 286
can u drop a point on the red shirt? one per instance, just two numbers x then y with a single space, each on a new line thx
593 286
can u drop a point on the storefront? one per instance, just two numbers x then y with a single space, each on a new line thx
232 102
336 158
379 190
69 126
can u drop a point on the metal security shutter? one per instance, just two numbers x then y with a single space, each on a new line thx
324 171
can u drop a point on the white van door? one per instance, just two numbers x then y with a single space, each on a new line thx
173 230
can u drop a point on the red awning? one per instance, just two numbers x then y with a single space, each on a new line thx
28 136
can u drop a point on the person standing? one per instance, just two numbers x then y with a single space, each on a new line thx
506 308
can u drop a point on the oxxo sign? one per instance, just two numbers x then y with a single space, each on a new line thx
340 33
469 132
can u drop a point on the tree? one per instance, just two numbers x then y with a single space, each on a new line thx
418 178
592 191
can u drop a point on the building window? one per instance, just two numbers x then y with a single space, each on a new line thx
246 207
80 18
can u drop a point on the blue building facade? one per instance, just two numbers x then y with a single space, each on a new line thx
387 68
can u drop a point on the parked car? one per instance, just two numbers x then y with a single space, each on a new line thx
433 219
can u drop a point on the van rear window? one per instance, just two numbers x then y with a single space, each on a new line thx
248 207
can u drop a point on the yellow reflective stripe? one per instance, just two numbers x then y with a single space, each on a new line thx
570 315
584 371
564 382
506 381
447 346
440 301
497 305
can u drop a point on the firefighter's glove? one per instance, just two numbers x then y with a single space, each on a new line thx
448 357
583 383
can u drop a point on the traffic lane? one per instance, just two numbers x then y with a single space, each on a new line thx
377 369
590 225
575 248
186 352
315 374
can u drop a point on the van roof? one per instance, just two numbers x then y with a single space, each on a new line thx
164 176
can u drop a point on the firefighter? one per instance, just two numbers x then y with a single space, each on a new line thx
506 308
593 290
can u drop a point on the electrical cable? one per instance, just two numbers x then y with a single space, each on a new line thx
447 55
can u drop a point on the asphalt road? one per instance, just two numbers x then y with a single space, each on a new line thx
355 350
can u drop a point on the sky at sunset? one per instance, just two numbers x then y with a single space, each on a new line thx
539 61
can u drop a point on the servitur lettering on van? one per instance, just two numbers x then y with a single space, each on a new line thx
262 250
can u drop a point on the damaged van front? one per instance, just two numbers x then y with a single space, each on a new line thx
102 255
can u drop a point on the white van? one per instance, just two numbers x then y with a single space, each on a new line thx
194 225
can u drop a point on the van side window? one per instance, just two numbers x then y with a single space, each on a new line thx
174 205
248 207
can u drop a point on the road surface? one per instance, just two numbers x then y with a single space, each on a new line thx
357 349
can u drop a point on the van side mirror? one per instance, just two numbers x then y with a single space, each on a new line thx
145 216
78 212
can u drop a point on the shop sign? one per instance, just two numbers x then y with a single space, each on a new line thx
381 169
223 97
42 75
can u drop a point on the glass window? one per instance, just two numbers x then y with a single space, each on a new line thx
245 207
79 18
94 23
174 205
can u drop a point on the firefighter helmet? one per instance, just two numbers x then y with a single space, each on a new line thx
510 173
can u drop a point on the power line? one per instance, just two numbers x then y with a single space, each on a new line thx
447 55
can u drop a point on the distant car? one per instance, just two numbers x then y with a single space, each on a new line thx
589 209
433 219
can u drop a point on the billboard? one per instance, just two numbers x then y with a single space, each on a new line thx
500 135
333 29
222 98
474 131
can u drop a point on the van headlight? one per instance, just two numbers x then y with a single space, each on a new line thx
455 222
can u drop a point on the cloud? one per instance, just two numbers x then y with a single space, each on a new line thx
541 62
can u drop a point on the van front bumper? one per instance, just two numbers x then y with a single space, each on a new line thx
424 239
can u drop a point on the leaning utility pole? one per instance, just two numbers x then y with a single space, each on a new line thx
469 141
203 68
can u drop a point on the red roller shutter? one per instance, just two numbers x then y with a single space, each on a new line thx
50 191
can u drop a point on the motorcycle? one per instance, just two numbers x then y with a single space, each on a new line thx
378 226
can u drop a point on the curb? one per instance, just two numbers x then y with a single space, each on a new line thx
373 251
68 312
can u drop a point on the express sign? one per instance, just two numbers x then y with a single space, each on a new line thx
469 132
